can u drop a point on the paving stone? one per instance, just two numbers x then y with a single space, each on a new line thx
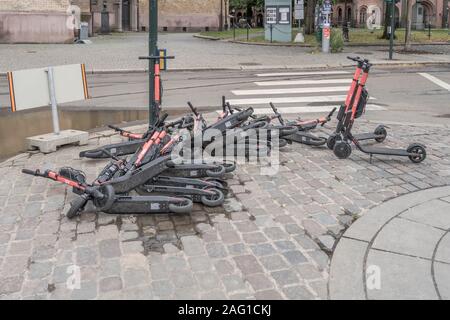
273 262
109 248
276 233
216 250
10 285
305 242
87 291
138 293
162 289
254 237
39 270
441 274
175 264
131 247
327 242
213 295
107 232
182 279
402 277
224 267
187 294
135 278
158 271
285 277
268 295
110 284
407 237
262 249
294 257
86 256
208 280
320 258
259 281
321 289
308 272
14 265
237 249
313 228
248 264
200 263
233 283
298 293
284 245
433 213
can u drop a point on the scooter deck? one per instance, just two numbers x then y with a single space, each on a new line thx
385 151
116 149
142 204
306 138
367 136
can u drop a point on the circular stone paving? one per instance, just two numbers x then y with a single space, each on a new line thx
398 250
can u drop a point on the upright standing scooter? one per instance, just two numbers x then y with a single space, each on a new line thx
342 149
379 134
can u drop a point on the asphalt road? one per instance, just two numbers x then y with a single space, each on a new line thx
399 94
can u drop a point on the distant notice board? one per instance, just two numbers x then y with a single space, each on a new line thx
30 88
271 14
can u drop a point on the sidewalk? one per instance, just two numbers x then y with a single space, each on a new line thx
120 52
273 239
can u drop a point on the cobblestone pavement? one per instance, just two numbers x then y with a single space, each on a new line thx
273 238
121 51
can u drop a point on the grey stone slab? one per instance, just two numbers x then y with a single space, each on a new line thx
408 237
268 295
435 213
262 249
163 289
442 278
233 283
192 245
368 225
401 277
110 284
200 263
285 277
294 257
182 279
109 248
298 293
248 264
207 280
346 270
259 281
443 250
87 291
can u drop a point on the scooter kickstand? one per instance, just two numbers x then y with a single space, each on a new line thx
370 160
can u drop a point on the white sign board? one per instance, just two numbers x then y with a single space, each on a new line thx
30 88
284 14
271 15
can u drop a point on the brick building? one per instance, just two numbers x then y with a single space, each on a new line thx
42 21
423 12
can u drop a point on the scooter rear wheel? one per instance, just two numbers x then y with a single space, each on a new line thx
215 199
109 197
218 172
229 166
380 130
181 207
332 140
420 152
342 149
76 207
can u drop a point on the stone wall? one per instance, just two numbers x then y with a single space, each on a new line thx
34 21
183 15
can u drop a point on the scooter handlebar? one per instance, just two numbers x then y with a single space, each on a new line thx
194 110
31 172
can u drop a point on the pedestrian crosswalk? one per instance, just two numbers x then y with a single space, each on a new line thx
297 92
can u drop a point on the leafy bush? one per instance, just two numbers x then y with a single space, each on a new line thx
337 40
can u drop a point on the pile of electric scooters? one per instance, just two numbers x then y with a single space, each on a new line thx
143 176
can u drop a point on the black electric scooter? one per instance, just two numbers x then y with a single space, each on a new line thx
342 149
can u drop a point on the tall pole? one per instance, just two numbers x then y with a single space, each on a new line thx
153 111
391 36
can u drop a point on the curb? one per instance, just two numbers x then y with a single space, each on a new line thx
269 67
206 37
347 44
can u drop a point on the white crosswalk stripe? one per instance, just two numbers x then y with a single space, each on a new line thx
287 74
311 92
301 82
289 91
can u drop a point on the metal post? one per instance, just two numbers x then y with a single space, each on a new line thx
271 32
248 28
429 29
52 93
391 36
153 107
234 26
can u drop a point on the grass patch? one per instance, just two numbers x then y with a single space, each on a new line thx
240 33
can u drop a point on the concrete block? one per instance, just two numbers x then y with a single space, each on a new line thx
48 143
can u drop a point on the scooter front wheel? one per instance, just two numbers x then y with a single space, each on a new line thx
419 152
380 131
76 207
332 140
109 197
182 206
215 199
342 149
